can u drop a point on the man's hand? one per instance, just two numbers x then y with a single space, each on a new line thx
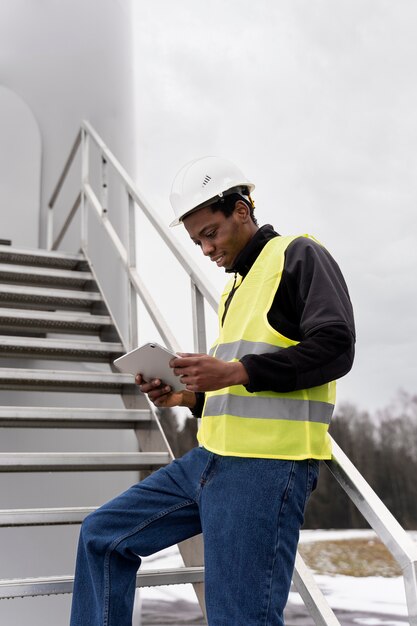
200 372
163 396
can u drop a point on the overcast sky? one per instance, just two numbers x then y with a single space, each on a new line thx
315 100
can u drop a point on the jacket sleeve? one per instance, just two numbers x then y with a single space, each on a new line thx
197 410
311 306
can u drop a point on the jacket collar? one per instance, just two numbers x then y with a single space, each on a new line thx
247 257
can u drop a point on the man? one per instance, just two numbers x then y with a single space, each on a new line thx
265 394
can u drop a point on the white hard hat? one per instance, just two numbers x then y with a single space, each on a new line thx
201 181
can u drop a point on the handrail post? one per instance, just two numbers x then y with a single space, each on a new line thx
85 165
50 228
131 259
199 321
104 184
381 520
410 587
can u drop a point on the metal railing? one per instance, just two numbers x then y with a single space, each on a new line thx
390 532
403 549
86 198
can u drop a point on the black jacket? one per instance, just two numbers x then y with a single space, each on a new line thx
312 306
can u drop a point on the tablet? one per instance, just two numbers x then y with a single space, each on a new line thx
152 361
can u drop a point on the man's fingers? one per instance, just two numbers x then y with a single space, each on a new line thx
152 386
185 359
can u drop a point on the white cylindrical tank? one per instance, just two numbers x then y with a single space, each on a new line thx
61 61
69 60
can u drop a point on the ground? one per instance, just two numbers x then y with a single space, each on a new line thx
356 573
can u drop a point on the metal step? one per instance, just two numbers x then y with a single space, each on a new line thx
68 417
81 461
53 321
42 258
62 380
13 518
47 297
66 349
26 587
24 274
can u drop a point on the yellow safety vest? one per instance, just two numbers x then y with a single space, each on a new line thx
263 424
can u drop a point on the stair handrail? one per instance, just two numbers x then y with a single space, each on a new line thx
391 533
383 522
201 288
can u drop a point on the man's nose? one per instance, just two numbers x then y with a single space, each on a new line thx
207 248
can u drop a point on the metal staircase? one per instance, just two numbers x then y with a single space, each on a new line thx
58 338
52 310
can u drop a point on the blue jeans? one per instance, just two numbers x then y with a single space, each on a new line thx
250 512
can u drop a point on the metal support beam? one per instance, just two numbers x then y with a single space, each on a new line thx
312 596
56 192
85 173
131 259
199 320
55 243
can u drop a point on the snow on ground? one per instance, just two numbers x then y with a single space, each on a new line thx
372 595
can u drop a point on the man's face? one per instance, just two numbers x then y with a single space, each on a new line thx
221 238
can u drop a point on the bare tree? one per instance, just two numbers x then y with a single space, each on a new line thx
384 449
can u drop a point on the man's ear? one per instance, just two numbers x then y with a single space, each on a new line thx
242 211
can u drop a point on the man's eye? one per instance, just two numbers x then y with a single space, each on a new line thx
211 234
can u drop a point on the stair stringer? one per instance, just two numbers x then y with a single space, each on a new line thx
154 438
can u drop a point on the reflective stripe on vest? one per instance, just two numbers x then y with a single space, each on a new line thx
258 407
237 349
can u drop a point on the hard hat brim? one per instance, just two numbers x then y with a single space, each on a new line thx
179 220
175 222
